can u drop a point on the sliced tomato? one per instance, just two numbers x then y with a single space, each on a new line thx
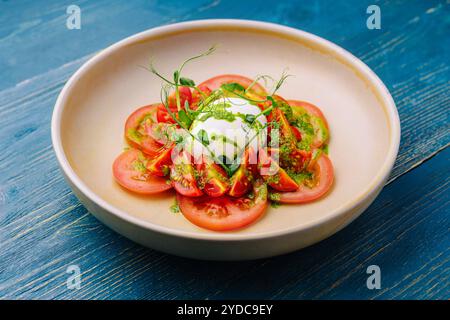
136 132
297 133
284 127
185 95
323 177
272 173
160 166
163 115
130 172
240 183
225 213
298 160
182 175
241 180
213 178
281 129
197 96
309 107
215 83
159 131
163 132
317 119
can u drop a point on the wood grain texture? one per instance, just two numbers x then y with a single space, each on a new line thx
43 227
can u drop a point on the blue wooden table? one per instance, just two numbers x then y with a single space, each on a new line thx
44 229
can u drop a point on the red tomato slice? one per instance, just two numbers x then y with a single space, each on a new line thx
197 96
215 83
213 178
323 171
309 107
224 213
319 121
135 130
130 172
240 183
273 174
241 180
299 160
182 175
285 128
185 95
160 166
163 116
297 133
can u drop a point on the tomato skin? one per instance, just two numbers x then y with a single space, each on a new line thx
135 130
214 178
324 169
160 165
126 174
273 174
182 175
214 83
224 213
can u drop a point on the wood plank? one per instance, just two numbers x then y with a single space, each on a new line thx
405 232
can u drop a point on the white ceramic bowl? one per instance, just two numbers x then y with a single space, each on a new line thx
88 120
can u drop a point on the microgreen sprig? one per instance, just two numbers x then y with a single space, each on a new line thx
178 80
185 115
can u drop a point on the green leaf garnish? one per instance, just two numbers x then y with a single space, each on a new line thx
232 87
184 118
250 118
225 160
271 99
203 136
176 76
187 82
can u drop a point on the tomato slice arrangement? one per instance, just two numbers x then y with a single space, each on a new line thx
225 189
